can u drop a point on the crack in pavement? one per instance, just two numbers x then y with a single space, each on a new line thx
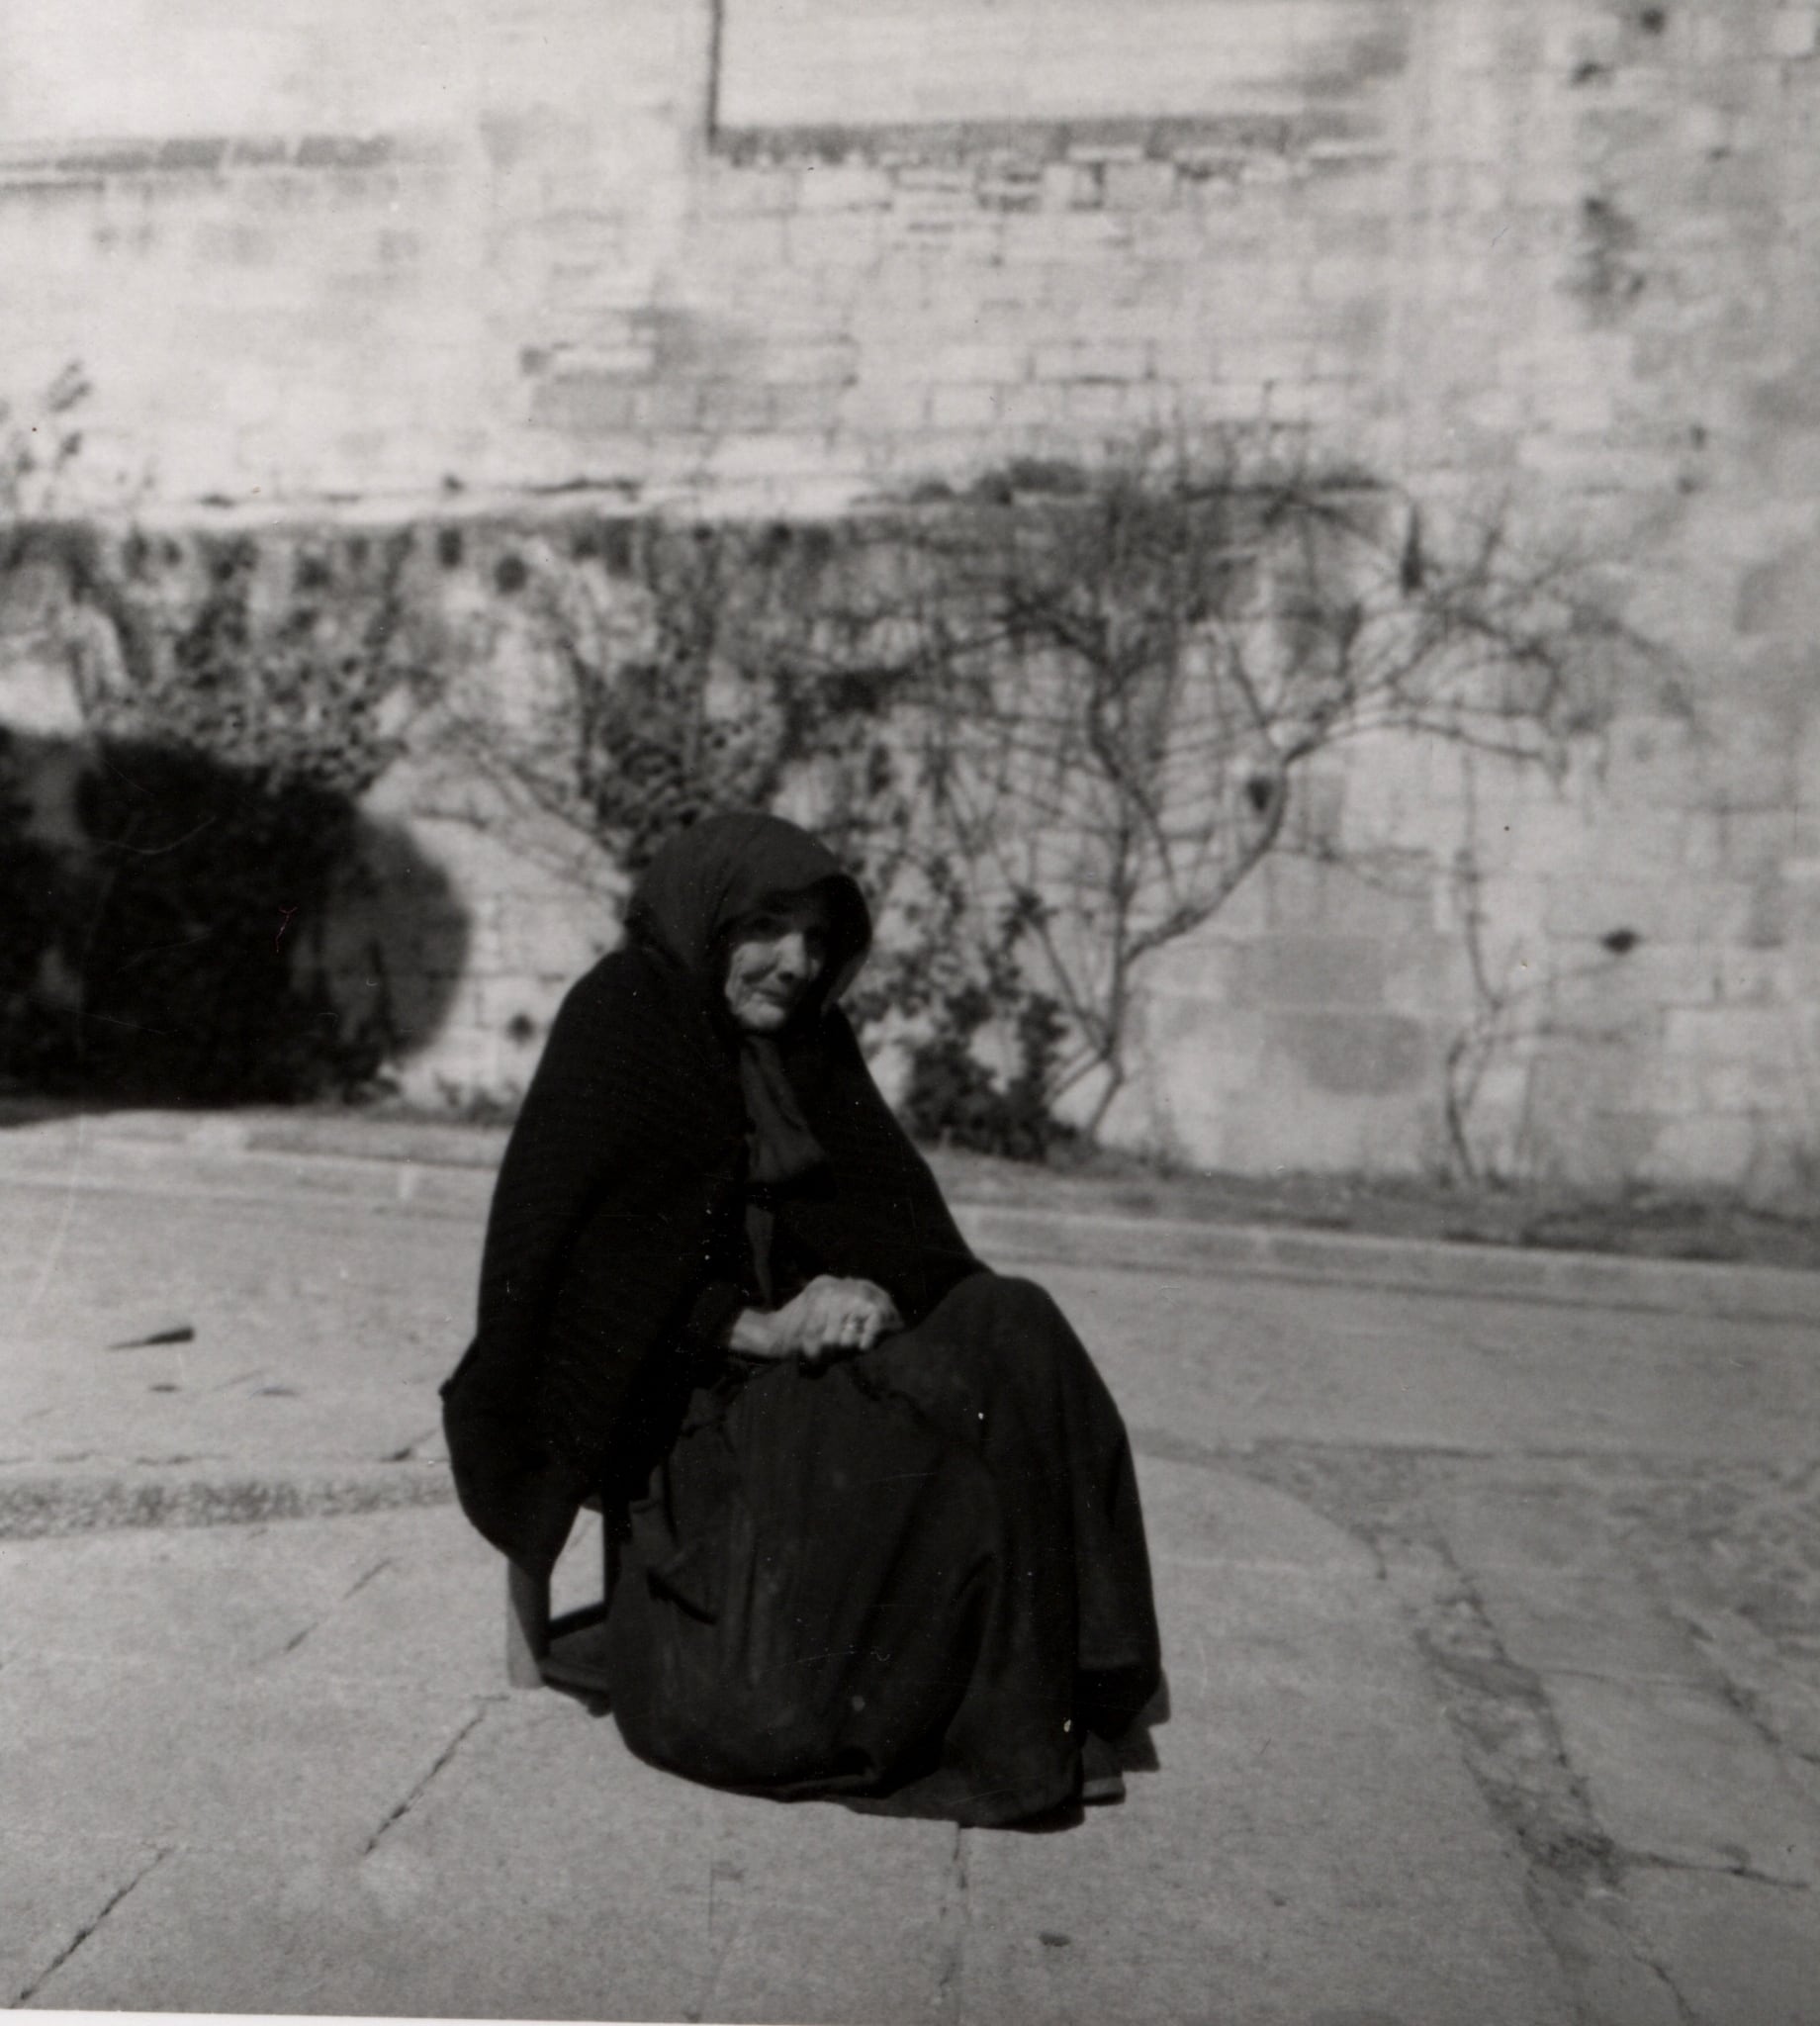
1512 1748
290 1645
423 1787
1751 1704
1684 2011
1684 2014
1653 1861
1514 1745
377 1569
952 1922
84 1932
1510 1741
722 1871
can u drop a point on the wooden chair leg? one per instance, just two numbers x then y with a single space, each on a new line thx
527 1627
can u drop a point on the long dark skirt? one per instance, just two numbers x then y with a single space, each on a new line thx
912 1579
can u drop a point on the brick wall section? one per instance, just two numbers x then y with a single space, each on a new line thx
1554 250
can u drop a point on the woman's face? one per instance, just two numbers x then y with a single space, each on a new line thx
774 959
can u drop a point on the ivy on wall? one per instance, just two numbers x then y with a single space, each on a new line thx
1053 727
171 871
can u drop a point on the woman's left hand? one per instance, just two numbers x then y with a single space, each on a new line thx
837 1315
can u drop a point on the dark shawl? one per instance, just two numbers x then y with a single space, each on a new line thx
615 1256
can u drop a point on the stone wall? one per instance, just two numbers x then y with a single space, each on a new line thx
1548 256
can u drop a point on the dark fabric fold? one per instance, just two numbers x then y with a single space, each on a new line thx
781 1146
907 1581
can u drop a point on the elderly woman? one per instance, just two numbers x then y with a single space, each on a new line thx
882 1538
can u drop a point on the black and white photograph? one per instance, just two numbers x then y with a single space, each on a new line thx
910 1011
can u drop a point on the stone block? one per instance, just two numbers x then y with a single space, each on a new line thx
1671 1087
1692 910
1801 879
733 405
1576 408
797 365
813 408
1009 187
1321 401
755 191
1197 1042
722 240
587 404
947 202
1068 186
1778 595
963 407
992 363
837 239
1309 970
1184 351
1769 912
1078 362
1555 839
1308 896
1730 1088
1430 978
881 406
1096 404
1766 1038
772 461
1577 1078
1607 37
1079 235
1343 275
842 186
1595 990
235 242
1791 467
1199 965
1794 31
1036 410
674 406
1745 844
1280 1121
1139 186
587 293
1357 1054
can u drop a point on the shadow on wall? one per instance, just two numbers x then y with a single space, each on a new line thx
175 932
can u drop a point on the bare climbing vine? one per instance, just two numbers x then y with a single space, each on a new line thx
1055 726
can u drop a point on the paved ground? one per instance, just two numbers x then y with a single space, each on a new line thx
1492 1627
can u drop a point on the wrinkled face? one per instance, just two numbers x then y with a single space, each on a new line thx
775 959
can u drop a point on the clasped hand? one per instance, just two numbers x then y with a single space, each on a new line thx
830 1315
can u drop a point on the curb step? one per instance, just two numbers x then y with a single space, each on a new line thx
447 1169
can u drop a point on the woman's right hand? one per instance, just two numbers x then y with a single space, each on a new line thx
828 1315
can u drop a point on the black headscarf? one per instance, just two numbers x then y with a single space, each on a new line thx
695 894
613 1263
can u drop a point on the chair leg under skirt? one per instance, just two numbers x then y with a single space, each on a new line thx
527 1627
531 1629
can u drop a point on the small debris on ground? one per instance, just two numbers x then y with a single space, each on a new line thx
178 1332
